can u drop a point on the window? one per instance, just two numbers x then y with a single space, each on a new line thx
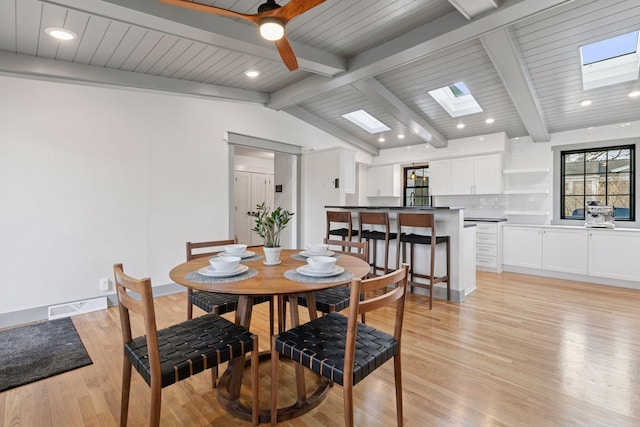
416 186
610 61
366 121
598 176
456 100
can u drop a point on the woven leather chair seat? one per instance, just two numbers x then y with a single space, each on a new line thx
329 300
376 235
421 239
190 347
343 232
212 302
320 346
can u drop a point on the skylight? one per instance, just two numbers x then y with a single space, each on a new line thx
456 99
610 61
366 121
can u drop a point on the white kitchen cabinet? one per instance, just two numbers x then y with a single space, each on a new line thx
465 176
462 176
565 250
487 174
439 177
488 245
522 246
383 181
614 254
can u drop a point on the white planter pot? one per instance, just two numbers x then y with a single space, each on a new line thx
272 256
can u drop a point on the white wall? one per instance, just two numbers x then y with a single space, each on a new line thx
93 176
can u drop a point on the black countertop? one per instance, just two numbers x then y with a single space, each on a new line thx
485 219
396 208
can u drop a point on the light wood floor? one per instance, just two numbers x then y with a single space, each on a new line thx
520 351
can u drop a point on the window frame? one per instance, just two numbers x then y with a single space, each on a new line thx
405 178
559 178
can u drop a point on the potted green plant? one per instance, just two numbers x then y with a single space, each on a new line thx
269 225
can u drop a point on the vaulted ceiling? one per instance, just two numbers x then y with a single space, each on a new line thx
519 58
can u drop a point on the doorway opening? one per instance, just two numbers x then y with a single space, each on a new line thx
262 171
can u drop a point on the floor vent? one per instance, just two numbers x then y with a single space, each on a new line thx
78 307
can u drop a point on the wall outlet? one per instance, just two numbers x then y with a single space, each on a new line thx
104 284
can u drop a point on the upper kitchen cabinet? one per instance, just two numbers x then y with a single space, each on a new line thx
467 175
383 181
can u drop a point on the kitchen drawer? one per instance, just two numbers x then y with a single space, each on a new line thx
487 250
486 261
483 228
486 239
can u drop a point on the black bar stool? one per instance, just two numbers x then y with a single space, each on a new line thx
340 217
373 219
423 221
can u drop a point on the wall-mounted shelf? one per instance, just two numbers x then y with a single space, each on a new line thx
532 191
537 213
525 170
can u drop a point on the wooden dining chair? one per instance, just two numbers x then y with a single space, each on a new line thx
327 345
166 356
214 302
337 299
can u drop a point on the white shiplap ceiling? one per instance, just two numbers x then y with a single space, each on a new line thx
520 59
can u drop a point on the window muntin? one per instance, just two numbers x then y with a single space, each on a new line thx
599 176
416 186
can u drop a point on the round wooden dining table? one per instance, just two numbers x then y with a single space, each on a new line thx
276 281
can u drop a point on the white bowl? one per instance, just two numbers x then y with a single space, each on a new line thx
224 263
321 263
236 249
317 249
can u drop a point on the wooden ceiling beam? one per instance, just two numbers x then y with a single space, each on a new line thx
506 58
377 93
443 33
204 28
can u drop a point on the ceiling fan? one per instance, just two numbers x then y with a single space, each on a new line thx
271 19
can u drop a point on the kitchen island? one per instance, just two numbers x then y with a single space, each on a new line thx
449 222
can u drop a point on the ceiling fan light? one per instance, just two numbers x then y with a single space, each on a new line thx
271 29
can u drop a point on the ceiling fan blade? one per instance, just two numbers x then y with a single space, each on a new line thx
286 52
188 4
294 8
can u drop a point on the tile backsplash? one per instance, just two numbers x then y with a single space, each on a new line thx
518 208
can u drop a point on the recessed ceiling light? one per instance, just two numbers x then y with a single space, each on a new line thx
516 138
60 33
490 120
401 136
252 73
460 125
481 138
634 94
409 148
585 103
381 139
427 145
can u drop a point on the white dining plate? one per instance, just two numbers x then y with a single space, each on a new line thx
307 254
245 254
307 271
210 272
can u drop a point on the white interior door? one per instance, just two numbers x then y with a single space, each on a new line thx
258 196
242 198
269 191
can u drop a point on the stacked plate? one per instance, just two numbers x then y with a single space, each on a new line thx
210 272
307 254
307 270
